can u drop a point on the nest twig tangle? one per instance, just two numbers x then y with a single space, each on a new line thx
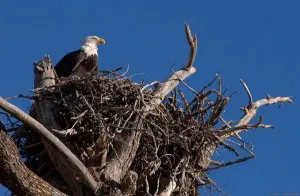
127 138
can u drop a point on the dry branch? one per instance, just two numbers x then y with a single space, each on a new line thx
52 141
248 91
166 87
132 139
118 166
47 135
15 175
69 166
251 111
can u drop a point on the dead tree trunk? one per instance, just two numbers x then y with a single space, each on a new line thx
110 136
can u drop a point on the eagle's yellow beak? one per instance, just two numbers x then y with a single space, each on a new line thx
100 41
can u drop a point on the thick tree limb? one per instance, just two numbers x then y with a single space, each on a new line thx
45 78
69 163
118 165
231 130
16 176
70 167
47 135
166 87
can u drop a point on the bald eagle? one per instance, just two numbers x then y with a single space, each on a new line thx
82 61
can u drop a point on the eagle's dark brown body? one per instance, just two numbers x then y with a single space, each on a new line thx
81 62
77 63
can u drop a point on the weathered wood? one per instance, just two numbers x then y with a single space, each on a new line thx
70 167
166 87
249 114
114 173
16 176
118 164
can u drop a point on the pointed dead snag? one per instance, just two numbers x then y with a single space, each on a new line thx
69 166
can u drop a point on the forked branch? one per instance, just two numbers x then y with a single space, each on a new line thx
166 87
251 111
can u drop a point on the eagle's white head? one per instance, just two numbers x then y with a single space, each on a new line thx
90 44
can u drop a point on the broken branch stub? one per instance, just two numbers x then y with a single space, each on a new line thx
166 87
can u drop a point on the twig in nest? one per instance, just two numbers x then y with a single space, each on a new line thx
148 85
113 72
89 106
243 146
227 124
126 71
231 162
241 127
23 96
157 185
147 185
186 104
210 181
227 146
185 84
65 133
209 84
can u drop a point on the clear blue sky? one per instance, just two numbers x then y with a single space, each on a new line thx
257 41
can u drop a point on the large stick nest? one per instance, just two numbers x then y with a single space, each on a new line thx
97 109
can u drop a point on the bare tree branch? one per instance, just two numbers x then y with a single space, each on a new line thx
117 166
248 91
64 160
131 140
16 176
44 77
47 135
231 163
192 40
241 127
251 111
167 86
